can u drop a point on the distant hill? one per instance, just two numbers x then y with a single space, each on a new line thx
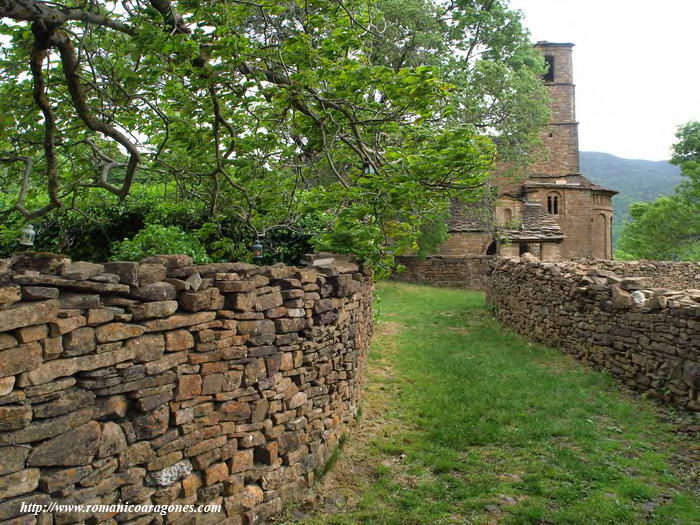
636 180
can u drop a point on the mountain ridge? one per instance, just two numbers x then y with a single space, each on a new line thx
635 179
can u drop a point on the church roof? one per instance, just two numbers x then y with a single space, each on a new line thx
535 225
470 217
572 182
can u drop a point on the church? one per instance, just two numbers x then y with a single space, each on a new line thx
554 212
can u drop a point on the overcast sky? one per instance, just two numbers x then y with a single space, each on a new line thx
636 66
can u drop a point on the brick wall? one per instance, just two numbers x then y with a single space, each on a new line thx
647 337
169 383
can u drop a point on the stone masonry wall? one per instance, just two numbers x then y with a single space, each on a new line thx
440 270
646 336
165 382
666 274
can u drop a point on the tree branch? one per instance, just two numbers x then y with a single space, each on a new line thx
70 69
52 17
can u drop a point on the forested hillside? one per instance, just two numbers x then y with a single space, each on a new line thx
636 180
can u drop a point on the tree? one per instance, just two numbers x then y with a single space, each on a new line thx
669 227
275 113
486 55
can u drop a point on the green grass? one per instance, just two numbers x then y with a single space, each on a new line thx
480 426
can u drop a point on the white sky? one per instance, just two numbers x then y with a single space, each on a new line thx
636 66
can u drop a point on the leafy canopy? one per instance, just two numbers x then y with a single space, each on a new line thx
346 122
669 227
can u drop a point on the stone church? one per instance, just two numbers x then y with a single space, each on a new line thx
554 212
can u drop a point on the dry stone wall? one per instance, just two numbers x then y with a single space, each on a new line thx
165 382
443 270
666 274
646 335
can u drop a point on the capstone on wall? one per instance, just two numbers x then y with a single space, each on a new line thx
165 382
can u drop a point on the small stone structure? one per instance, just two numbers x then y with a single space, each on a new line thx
638 319
443 270
165 382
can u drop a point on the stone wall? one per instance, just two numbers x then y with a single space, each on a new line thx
440 270
646 336
164 382
664 274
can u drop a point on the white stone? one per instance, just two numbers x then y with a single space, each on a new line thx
172 474
638 297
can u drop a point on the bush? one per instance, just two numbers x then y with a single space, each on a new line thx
95 223
156 239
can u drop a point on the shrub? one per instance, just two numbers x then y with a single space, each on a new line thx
155 239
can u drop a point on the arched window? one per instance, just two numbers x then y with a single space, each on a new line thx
507 216
492 249
549 62
553 203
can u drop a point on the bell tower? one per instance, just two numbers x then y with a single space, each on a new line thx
560 137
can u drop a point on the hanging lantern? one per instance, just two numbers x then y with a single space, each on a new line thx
27 237
257 250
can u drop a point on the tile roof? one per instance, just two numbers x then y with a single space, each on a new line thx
536 225
572 181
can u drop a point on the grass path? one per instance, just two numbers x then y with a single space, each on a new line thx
466 423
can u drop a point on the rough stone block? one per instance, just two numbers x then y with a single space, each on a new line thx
68 324
155 309
160 291
82 271
75 447
151 424
9 294
66 367
147 347
215 473
68 402
178 321
29 334
19 359
189 386
7 341
39 293
241 461
112 440
13 417
172 474
79 342
150 273
97 316
12 459
27 314
117 332
19 483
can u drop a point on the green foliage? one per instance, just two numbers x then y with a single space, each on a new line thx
485 54
635 180
669 227
295 122
156 239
